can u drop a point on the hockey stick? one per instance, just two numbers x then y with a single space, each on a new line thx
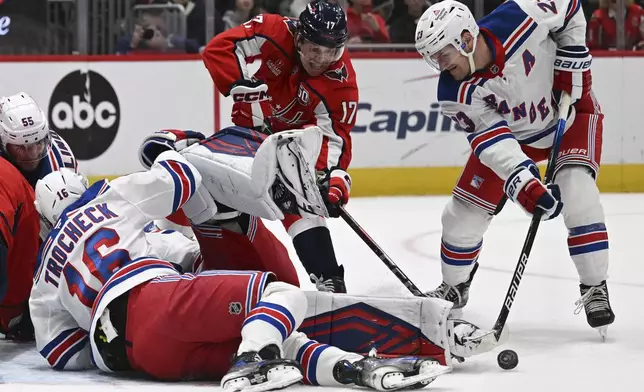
564 107
380 253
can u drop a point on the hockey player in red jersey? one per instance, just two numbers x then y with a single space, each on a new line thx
306 78
19 239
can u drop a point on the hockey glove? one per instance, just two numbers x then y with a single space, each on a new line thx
166 139
525 189
19 328
335 188
251 107
572 72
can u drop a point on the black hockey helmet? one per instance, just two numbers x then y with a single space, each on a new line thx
324 24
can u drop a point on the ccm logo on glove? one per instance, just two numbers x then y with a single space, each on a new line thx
252 96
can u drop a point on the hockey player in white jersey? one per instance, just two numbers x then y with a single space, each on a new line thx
103 296
500 79
96 232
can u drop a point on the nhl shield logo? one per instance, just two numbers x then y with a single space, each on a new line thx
234 308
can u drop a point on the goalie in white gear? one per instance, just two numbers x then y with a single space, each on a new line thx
500 79
276 176
234 240
27 141
99 282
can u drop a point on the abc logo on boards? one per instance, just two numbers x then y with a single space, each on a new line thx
85 111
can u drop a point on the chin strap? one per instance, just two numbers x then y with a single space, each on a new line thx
470 57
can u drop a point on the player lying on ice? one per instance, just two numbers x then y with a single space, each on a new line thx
103 295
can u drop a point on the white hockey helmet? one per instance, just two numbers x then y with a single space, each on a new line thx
22 121
441 25
55 192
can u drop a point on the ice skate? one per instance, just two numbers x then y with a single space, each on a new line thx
389 374
466 339
263 371
458 294
334 284
595 301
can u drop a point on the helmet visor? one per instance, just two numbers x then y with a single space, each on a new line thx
28 153
442 59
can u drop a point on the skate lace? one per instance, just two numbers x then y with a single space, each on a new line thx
446 292
593 300
323 285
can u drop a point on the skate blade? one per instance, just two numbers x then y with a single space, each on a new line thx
429 373
603 332
290 378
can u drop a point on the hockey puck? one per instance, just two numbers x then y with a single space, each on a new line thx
507 359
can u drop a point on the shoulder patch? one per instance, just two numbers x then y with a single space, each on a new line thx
291 25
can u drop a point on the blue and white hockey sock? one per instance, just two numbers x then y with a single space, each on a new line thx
317 359
281 310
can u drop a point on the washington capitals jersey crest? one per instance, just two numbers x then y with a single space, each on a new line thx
340 74
98 236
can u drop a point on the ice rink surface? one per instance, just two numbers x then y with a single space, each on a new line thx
557 350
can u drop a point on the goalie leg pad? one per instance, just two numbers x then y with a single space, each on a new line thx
420 324
226 159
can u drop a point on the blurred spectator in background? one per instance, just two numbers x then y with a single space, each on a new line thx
295 7
243 11
602 27
402 24
196 20
365 26
149 36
